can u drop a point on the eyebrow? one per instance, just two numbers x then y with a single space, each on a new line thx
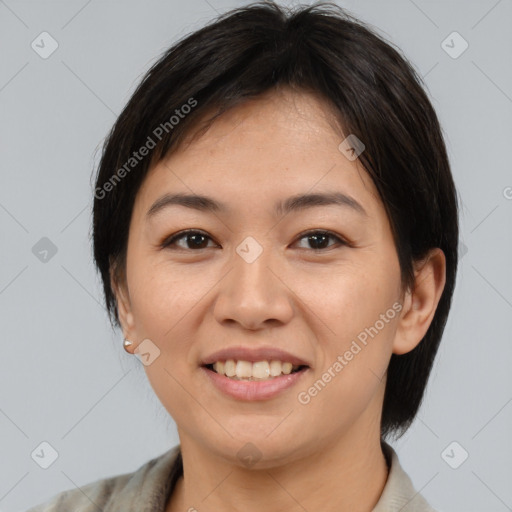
294 203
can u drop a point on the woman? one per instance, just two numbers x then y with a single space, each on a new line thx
275 225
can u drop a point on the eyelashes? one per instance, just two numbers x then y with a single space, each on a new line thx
171 241
197 240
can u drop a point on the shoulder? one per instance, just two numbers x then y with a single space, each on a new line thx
93 496
399 493
148 484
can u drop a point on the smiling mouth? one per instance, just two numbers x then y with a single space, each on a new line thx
257 371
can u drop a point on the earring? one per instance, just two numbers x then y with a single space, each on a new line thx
126 345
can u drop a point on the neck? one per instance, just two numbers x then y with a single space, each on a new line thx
349 476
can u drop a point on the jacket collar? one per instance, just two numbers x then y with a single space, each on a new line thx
148 488
399 493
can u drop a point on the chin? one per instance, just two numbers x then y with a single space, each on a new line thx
254 448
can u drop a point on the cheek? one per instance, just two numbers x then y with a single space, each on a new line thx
163 302
360 310
352 360
162 295
355 300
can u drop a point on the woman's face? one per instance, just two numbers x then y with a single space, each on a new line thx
254 285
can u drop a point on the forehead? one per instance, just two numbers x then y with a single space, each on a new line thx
276 145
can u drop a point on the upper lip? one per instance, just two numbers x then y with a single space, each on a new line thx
253 355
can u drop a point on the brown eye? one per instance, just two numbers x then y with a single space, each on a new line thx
193 240
318 240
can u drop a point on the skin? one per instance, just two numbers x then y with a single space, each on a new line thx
324 455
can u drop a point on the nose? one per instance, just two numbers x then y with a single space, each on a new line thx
254 295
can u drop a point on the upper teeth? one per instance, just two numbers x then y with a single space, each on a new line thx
257 370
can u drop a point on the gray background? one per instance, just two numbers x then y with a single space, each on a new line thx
64 377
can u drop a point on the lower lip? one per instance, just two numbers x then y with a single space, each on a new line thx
253 389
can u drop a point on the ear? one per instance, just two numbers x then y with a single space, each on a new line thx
420 302
120 289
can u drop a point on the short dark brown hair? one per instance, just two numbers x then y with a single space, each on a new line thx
374 92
